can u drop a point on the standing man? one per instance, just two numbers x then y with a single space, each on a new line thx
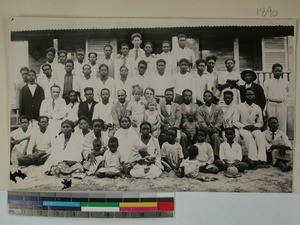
105 81
183 80
78 64
31 97
161 80
124 60
86 81
24 73
136 52
46 80
212 73
248 119
249 76
50 55
103 109
184 52
169 57
86 108
108 60
201 81
277 92
92 57
69 81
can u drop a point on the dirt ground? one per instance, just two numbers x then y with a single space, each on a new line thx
261 180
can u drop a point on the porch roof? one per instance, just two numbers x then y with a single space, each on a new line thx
29 24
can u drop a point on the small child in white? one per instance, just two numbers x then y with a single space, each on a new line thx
230 153
152 116
113 162
136 107
93 159
190 166
171 151
206 154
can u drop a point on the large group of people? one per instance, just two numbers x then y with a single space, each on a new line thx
138 114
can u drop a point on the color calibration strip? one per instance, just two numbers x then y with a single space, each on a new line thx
91 204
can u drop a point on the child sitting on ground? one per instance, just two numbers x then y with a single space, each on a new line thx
206 154
113 161
277 146
230 153
190 127
152 116
93 159
171 151
190 166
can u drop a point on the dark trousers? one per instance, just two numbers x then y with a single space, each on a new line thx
37 158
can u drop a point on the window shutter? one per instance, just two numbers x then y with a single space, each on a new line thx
274 51
96 45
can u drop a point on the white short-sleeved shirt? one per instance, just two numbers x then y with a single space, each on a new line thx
173 152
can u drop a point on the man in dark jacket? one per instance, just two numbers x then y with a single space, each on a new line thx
249 76
31 97
86 108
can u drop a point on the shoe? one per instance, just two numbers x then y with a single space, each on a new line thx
264 165
122 175
258 165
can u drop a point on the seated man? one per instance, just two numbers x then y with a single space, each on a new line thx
210 118
19 140
248 119
278 144
39 146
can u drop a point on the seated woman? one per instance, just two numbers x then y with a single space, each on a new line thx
65 157
145 153
88 151
126 134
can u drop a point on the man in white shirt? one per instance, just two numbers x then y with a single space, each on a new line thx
149 58
161 80
201 81
183 51
142 78
108 60
136 52
78 64
39 147
55 109
103 109
92 57
277 94
248 119
124 60
50 55
72 107
86 81
169 57
46 80
105 81
183 80
124 83
211 73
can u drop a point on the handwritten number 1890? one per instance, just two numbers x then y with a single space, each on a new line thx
266 12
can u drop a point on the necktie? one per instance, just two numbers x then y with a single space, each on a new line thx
124 61
273 135
53 104
136 54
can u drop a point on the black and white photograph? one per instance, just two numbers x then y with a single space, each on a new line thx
170 104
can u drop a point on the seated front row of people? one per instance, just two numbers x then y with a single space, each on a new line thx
247 118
